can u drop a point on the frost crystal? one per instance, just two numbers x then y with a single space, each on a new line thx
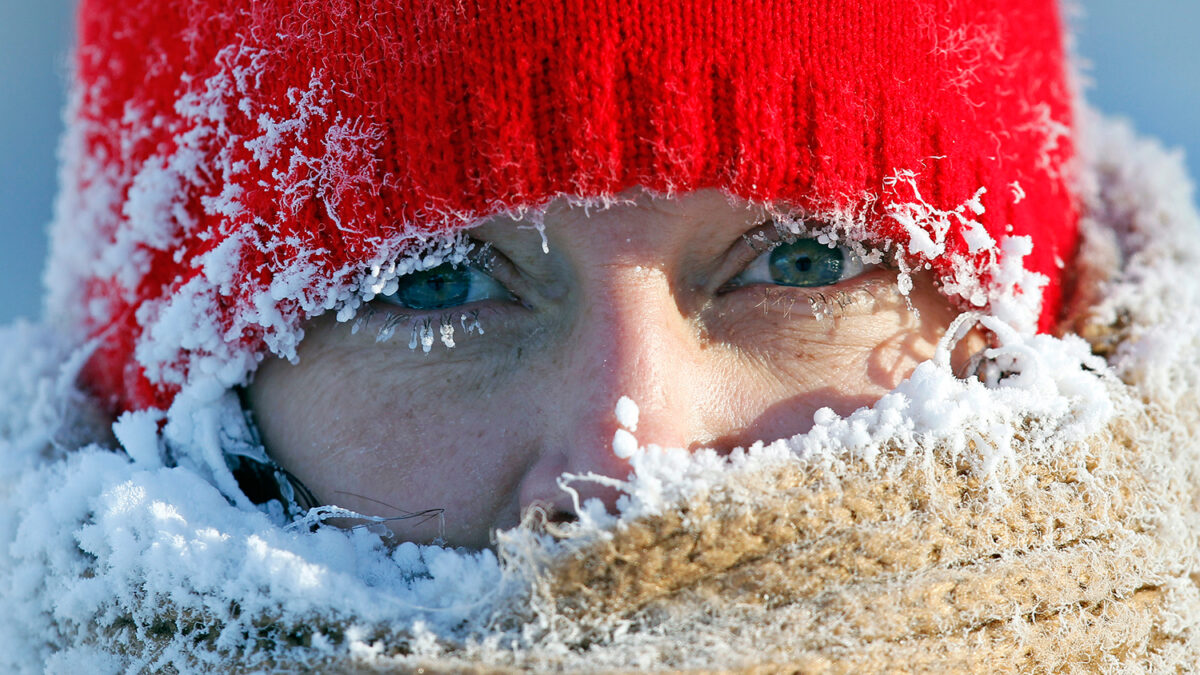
624 444
627 413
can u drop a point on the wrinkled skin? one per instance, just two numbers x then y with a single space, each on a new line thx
632 300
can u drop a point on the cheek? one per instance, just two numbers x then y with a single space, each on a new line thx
798 365
385 434
869 352
843 368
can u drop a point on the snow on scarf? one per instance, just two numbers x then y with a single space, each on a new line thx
1045 519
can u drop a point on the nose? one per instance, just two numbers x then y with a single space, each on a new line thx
628 339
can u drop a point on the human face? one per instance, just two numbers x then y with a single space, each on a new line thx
666 301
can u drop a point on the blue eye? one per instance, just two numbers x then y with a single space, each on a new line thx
447 285
803 262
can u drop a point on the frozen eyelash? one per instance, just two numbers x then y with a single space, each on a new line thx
470 322
362 320
821 306
828 306
789 228
421 334
424 331
759 242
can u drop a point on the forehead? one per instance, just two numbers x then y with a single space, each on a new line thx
635 214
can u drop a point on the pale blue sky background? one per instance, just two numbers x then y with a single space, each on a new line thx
1144 55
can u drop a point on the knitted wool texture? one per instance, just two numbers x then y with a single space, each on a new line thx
233 168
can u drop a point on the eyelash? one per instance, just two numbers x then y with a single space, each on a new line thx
834 304
821 304
421 326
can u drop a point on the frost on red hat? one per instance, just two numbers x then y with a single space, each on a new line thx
232 168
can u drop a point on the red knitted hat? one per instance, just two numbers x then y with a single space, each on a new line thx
234 167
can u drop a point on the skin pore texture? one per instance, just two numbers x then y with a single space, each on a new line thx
660 300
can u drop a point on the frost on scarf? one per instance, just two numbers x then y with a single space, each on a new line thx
958 518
